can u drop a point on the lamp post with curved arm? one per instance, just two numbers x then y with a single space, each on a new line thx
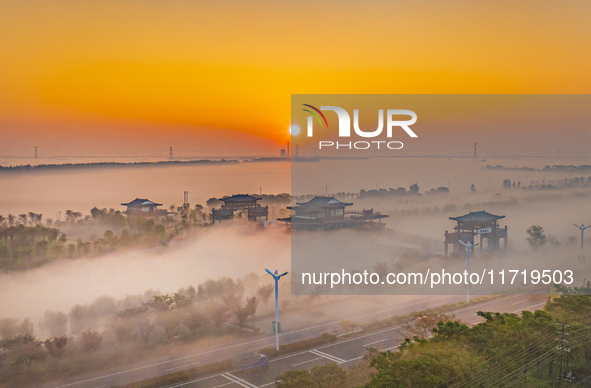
469 247
582 227
276 276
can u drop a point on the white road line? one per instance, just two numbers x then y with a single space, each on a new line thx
223 385
271 383
305 362
521 301
238 380
328 356
182 366
377 342
193 381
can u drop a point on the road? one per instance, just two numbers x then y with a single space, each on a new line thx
347 351
343 352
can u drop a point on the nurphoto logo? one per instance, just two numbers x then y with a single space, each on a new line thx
345 127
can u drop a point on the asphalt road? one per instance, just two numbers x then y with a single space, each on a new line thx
344 352
347 351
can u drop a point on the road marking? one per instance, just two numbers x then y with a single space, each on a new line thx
327 356
377 342
274 382
238 381
223 385
182 366
305 362
193 381
521 301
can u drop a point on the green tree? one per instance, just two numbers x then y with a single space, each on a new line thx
536 236
295 379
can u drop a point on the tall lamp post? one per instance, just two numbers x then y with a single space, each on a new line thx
276 277
582 227
469 247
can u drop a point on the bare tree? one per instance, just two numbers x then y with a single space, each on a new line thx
265 293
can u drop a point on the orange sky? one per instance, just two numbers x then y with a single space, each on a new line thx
114 76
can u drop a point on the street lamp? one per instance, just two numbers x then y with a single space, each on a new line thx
276 277
469 247
582 227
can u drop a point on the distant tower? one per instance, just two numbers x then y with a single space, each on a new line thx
475 158
297 154
170 154
35 152
186 199
287 149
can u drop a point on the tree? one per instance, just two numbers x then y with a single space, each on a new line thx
145 329
507 183
381 268
55 323
194 322
536 236
473 188
8 328
295 379
57 346
414 189
123 332
251 305
91 340
329 376
265 293
348 326
242 314
219 316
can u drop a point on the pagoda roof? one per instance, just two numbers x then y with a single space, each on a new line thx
477 216
324 202
240 198
141 202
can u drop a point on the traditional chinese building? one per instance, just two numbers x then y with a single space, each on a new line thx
472 225
327 213
240 202
144 208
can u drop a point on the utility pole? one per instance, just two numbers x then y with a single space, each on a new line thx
276 324
562 346
475 158
469 247
582 227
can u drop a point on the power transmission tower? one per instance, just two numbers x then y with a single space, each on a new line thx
475 158
35 152
170 154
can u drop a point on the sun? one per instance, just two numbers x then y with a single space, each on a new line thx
294 130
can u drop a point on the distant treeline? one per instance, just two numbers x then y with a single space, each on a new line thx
71 166
555 168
